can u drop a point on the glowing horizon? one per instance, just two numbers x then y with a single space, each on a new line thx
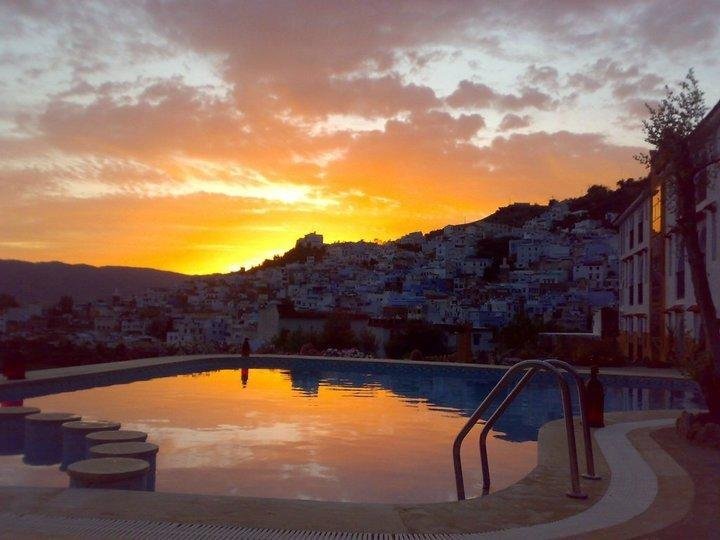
202 138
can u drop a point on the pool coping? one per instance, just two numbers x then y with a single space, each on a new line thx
69 372
534 506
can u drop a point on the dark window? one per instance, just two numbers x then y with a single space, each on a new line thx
680 270
680 284
640 231
632 238
701 183
640 293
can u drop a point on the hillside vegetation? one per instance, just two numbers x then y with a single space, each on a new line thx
597 202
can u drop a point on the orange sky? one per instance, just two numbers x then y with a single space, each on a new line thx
202 138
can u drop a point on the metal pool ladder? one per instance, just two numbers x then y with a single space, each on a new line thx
553 366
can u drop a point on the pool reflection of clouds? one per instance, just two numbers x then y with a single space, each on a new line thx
374 437
316 470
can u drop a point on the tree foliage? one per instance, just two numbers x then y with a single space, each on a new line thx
65 304
420 335
8 301
676 116
337 333
521 332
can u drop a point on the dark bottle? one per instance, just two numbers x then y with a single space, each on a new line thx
595 400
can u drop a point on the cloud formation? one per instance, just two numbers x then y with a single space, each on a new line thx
481 96
201 136
514 121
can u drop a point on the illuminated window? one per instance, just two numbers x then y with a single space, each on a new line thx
657 211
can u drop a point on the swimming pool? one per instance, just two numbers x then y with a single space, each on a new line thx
320 429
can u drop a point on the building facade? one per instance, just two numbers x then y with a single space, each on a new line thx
634 238
658 307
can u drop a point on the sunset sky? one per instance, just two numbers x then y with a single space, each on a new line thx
204 136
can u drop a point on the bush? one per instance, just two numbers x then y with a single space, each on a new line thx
428 339
336 334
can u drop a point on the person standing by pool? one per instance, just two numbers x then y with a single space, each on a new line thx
245 351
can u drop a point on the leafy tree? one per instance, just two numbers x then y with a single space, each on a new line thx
297 254
521 332
368 343
8 301
65 304
428 339
668 130
337 333
159 326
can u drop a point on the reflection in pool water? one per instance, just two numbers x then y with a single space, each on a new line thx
370 435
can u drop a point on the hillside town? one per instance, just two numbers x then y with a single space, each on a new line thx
560 268
568 270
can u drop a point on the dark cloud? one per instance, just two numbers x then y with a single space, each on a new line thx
514 121
546 76
624 81
647 84
477 95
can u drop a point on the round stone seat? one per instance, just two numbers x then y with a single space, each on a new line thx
73 435
43 437
12 428
117 436
109 473
137 450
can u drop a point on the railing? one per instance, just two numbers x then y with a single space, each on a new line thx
553 366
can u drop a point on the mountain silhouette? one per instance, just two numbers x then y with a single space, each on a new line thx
46 282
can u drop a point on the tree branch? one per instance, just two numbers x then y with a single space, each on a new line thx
705 166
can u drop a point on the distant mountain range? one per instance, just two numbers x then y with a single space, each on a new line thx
46 282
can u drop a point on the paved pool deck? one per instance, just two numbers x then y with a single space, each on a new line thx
644 490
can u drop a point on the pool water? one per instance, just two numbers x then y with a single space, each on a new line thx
370 435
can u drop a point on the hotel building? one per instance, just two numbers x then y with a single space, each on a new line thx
658 308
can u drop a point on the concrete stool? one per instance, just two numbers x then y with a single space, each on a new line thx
109 473
12 428
138 450
104 437
73 436
43 437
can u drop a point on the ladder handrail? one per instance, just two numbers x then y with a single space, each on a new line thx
589 459
491 422
504 380
582 402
